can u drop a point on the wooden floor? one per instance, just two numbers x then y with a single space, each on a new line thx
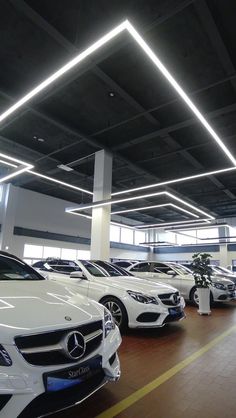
205 388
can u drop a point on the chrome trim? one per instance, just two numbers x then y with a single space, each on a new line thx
58 347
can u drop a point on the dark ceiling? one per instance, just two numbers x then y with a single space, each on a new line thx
117 100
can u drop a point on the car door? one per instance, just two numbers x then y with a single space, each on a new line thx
76 280
166 274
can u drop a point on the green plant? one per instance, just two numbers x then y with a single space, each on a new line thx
201 269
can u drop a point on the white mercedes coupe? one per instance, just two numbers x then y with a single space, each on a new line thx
133 302
56 347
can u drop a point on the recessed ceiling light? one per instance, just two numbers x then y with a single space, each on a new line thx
38 139
65 167
111 94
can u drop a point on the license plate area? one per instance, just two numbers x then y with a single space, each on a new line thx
72 376
175 311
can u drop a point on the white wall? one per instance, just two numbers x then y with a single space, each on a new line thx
44 213
182 256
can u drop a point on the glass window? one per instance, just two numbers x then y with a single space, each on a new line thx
127 236
51 252
187 237
114 233
139 237
204 234
33 251
68 254
83 255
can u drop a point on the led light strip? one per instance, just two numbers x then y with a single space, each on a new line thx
178 180
112 202
20 170
153 207
170 224
112 222
60 182
126 25
9 164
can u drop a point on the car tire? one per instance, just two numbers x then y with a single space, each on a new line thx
193 297
118 311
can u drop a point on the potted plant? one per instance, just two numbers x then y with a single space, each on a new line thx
202 276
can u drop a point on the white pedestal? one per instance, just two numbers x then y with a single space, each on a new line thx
204 301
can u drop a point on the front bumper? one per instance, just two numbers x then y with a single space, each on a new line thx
154 316
223 295
22 387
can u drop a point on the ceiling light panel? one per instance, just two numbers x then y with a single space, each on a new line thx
115 201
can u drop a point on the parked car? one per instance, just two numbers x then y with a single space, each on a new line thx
181 277
123 263
56 347
132 302
218 271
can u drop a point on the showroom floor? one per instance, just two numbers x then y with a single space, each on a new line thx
191 364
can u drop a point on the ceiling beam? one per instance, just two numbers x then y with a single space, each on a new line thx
215 38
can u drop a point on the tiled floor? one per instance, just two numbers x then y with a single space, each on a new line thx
204 389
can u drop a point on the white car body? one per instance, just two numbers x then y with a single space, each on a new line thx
139 314
41 321
219 272
180 277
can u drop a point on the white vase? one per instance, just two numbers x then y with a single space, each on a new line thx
204 301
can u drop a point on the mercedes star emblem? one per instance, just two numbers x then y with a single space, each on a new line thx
75 345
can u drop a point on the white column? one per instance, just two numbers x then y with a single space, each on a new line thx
224 256
100 233
8 212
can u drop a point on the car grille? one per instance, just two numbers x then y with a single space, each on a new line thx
231 287
166 298
46 349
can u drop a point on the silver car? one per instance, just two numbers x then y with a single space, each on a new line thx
174 274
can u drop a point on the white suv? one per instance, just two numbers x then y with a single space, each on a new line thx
56 347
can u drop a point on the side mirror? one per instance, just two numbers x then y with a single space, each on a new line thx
77 275
171 273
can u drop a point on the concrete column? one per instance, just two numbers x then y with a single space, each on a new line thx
100 233
8 212
224 256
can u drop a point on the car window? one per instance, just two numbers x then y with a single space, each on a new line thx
161 269
38 264
100 268
122 263
66 269
12 269
141 267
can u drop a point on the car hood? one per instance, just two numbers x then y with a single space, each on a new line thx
137 284
221 279
35 306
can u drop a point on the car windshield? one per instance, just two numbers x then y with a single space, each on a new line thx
103 269
13 269
181 269
221 270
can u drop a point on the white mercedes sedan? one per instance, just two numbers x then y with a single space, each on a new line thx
133 302
56 347
174 274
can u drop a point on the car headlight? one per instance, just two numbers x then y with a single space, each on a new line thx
5 359
109 323
219 286
140 297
